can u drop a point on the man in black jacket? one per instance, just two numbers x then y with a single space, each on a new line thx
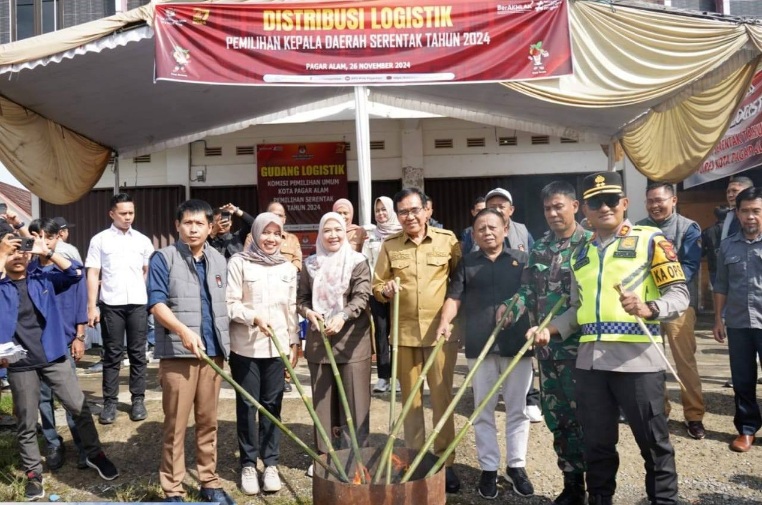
478 287
221 238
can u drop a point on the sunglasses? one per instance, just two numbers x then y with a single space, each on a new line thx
596 202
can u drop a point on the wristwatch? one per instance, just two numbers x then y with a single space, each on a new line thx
654 310
81 337
344 316
49 254
20 225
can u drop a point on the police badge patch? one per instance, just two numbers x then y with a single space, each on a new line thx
626 247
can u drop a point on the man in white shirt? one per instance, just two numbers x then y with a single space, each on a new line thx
119 256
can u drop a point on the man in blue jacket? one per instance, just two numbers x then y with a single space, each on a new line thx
685 234
29 317
72 305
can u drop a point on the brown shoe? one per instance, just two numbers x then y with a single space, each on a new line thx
742 443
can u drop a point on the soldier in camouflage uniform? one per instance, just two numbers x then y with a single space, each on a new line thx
545 279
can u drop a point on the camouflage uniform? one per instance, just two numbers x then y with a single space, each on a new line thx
547 277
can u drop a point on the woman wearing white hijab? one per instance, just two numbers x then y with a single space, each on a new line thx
387 224
335 287
261 292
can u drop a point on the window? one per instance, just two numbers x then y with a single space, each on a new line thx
27 18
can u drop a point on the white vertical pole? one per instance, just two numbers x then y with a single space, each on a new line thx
362 128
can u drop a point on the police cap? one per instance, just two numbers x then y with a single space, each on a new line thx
601 183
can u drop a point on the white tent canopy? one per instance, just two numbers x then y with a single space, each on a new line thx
665 84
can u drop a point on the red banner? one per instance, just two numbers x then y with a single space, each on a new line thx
363 42
306 179
741 147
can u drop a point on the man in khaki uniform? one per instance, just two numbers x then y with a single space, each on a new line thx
291 248
423 257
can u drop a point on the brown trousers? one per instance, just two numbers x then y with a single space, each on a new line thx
440 376
682 344
356 380
189 383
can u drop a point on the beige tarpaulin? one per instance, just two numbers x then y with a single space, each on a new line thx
688 72
52 162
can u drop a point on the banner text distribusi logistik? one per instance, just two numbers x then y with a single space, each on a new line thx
358 18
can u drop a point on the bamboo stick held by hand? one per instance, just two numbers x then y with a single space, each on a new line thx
344 403
619 289
308 403
462 389
395 348
470 422
277 422
386 454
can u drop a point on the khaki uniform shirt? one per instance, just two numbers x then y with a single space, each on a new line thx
424 270
291 249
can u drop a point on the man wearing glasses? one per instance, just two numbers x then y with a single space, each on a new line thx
686 236
617 364
423 257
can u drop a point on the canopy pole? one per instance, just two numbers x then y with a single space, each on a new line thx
362 127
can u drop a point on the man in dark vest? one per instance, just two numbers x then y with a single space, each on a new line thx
181 279
686 236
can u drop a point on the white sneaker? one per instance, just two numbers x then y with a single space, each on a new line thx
271 480
399 388
534 414
382 386
311 470
249 480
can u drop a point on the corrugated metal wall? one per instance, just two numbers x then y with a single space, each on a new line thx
377 188
453 198
154 214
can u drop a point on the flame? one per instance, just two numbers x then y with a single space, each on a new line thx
360 472
399 464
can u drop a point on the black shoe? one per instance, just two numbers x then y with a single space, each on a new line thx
696 429
287 387
728 383
520 480
488 485
452 482
600 500
216 495
574 490
55 457
105 467
138 411
108 414
33 490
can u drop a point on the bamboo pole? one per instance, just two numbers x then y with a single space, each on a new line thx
386 454
462 390
277 422
395 348
307 403
644 329
470 422
344 403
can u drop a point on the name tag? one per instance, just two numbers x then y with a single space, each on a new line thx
626 247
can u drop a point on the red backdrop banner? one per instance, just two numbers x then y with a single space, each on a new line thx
306 179
741 147
363 42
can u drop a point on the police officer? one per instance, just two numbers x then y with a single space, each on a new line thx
545 280
617 364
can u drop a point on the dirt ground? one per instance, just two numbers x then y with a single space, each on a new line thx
709 473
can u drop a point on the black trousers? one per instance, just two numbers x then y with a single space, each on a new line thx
262 378
600 394
116 320
382 323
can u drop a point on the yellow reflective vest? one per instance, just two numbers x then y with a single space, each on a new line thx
643 261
